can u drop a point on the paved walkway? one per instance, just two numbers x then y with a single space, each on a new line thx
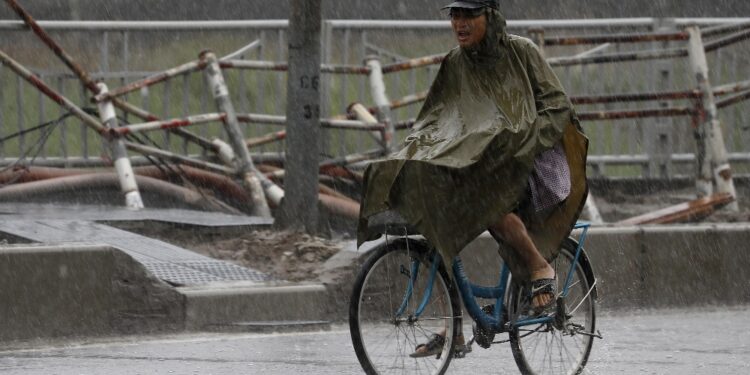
659 342
173 264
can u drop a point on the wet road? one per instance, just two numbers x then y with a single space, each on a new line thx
654 342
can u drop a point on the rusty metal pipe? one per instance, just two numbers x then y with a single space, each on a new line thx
409 100
414 63
238 53
395 104
275 66
279 66
407 124
727 40
29 174
338 206
683 212
619 57
344 69
216 182
19 69
731 88
334 123
107 180
89 83
330 199
278 173
636 97
615 38
222 184
619 115
187 68
351 125
170 124
266 139
721 29
734 99
254 118
179 159
353 158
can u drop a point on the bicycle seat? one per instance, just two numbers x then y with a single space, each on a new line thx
390 222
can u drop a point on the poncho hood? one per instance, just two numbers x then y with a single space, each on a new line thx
490 111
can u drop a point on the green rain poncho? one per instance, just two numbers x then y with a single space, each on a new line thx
490 111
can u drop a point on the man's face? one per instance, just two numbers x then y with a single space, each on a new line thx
469 26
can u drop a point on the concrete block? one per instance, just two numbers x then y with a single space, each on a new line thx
651 266
694 265
211 307
615 255
80 290
734 242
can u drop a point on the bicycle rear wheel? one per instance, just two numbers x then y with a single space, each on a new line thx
562 346
382 319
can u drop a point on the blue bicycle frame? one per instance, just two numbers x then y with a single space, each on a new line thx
469 292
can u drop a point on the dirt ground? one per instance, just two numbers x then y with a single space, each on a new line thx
299 257
286 255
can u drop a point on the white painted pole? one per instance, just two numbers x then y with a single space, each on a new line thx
124 170
377 89
250 175
714 164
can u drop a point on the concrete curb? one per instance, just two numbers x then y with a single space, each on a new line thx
256 308
654 266
82 290
96 290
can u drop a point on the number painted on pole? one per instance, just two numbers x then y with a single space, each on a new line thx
310 111
306 82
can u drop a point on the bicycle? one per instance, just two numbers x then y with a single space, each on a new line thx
403 296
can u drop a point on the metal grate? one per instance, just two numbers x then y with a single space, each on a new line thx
203 272
227 271
179 275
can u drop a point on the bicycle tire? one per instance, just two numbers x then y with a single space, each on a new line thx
532 346
383 341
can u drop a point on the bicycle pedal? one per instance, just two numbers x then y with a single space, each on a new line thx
460 351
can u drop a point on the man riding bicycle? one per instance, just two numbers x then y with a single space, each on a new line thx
497 146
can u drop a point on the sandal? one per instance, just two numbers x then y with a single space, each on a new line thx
434 346
539 287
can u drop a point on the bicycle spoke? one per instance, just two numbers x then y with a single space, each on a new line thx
386 340
563 345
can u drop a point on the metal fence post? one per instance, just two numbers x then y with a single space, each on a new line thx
659 140
377 89
125 173
250 175
711 154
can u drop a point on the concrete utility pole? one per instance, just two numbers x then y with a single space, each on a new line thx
300 204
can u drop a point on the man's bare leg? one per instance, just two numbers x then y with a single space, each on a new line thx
513 231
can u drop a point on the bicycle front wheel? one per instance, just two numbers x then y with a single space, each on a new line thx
389 313
562 346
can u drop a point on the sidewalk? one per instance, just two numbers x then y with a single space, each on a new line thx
117 282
